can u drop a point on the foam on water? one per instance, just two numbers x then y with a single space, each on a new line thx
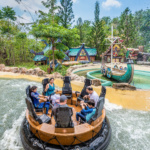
130 129
11 137
109 106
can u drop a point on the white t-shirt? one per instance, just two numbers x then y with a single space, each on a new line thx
95 97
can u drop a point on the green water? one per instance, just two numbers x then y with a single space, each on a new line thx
130 129
141 79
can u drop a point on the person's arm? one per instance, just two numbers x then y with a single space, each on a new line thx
46 88
88 110
86 97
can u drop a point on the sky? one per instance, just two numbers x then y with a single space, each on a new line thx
81 8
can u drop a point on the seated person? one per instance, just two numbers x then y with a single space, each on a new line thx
35 96
50 91
87 113
63 103
92 95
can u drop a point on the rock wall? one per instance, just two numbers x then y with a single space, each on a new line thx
41 73
76 77
143 63
36 71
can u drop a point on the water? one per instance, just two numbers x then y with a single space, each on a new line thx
130 129
141 79
12 111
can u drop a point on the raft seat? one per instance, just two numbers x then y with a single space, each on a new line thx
67 89
64 123
87 82
40 119
28 93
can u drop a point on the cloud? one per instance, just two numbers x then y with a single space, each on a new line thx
111 3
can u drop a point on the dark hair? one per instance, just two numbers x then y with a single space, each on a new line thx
51 79
89 88
91 102
33 88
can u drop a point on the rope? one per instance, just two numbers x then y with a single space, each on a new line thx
82 142
40 140
60 143
72 143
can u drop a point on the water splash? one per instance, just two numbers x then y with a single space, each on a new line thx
11 137
110 106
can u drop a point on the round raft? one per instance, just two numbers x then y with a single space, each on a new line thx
42 132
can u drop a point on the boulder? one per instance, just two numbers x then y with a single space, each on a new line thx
96 82
143 63
2 66
82 78
15 69
36 70
40 73
57 75
30 72
7 69
22 70
124 86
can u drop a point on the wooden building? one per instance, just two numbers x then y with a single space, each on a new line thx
118 55
82 54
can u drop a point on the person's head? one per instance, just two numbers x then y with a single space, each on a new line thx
91 103
63 99
51 81
89 90
33 89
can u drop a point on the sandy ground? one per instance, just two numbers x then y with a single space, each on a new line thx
98 66
20 76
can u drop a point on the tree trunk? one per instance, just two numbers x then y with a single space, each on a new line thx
53 54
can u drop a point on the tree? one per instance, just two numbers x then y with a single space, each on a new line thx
145 29
8 13
53 33
79 27
98 33
66 13
1 14
51 5
126 27
107 20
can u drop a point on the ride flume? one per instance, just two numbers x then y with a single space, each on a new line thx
42 132
122 75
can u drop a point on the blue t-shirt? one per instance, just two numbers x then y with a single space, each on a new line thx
89 112
35 97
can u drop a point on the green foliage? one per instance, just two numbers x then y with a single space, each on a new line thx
107 20
97 12
51 5
65 13
98 32
57 54
122 52
127 28
8 13
62 70
149 59
80 28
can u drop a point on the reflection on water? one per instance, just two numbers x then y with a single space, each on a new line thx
130 129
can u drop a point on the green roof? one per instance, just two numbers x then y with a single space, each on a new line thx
90 51
39 58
